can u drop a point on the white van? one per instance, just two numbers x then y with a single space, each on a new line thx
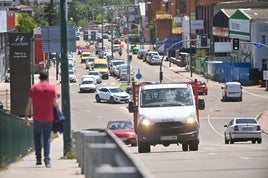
232 91
166 114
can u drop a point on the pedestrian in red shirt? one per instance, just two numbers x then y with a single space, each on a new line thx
42 98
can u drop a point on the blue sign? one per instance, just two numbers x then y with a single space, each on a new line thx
138 75
259 44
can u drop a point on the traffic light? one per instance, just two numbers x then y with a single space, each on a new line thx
235 44
204 40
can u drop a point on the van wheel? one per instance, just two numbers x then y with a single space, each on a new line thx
193 146
143 147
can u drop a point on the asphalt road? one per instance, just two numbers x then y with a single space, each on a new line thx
214 158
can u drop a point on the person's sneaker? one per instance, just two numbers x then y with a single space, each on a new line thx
38 162
47 163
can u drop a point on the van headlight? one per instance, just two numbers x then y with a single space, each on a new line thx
145 121
191 120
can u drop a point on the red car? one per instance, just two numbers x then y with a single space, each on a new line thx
124 130
202 88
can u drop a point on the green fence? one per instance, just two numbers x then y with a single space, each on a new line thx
16 139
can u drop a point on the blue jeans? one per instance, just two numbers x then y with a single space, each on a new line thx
42 129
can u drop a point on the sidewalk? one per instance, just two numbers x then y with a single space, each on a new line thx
65 168
262 117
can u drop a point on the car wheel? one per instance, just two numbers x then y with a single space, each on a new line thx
226 141
143 147
253 141
259 141
98 98
231 140
184 147
112 100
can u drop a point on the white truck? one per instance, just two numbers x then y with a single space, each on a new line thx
166 114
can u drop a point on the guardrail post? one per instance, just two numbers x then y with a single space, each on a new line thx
97 154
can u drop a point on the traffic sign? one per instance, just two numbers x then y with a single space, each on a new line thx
138 75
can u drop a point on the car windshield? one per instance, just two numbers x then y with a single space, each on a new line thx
166 97
93 73
115 90
246 121
91 59
118 63
118 125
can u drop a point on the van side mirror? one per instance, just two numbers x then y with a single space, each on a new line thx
201 104
131 107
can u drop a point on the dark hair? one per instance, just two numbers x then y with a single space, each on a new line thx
43 75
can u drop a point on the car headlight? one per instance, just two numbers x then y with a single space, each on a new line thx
145 121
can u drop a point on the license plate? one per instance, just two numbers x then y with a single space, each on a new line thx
163 138
247 128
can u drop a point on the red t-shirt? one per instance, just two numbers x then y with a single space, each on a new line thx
42 95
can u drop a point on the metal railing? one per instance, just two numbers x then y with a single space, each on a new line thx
16 140
100 154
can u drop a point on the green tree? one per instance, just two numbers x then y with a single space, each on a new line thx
50 14
26 23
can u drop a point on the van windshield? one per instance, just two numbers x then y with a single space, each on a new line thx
100 66
166 97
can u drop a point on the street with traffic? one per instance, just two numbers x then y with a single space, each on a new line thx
213 158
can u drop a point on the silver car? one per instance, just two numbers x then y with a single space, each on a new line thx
242 130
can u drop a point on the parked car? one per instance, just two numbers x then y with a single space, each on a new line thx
7 75
242 130
141 53
202 88
113 63
232 91
149 55
135 49
87 85
112 95
124 130
95 74
72 76
155 59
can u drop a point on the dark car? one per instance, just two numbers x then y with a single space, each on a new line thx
124 130
141 53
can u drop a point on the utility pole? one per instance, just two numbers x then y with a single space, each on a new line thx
102 14
65 90
128 56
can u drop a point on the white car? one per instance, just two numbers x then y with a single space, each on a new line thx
87 85
90 77
155 59
90 61
242 129
95 74
112 65
72 76
112 95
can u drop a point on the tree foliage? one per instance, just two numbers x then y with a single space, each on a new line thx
26 23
